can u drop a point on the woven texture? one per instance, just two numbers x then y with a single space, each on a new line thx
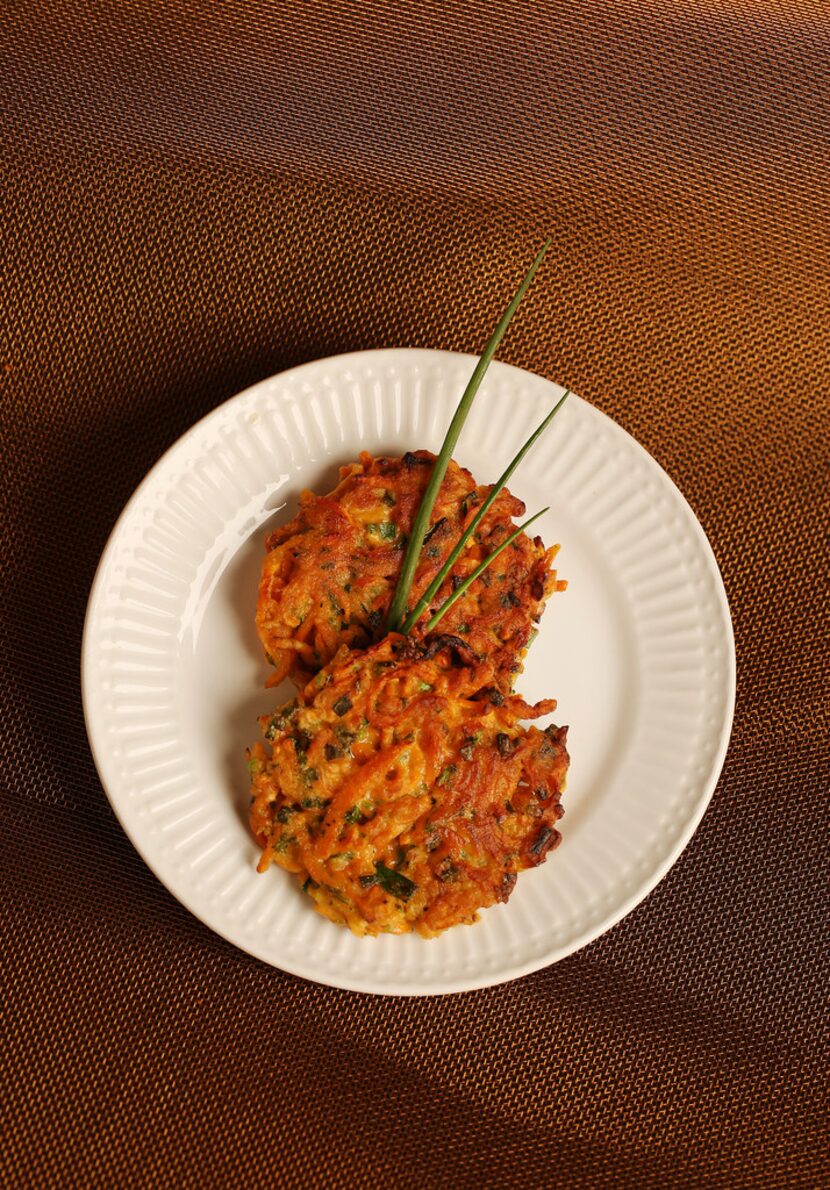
198 195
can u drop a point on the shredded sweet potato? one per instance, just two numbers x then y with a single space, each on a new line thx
330 573
402 789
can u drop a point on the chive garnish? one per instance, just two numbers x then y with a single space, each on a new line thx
433 588
482 566
397 609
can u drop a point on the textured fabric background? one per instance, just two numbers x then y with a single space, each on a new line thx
195 196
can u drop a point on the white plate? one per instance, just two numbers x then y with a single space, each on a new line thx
638 651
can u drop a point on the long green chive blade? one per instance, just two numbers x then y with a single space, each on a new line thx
482 566
419 528
433 588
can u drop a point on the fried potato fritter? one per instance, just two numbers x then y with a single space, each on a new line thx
402 789
329 575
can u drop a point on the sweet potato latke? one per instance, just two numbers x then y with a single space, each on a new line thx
329 575
401 787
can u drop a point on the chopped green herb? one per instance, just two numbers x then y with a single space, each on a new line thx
544 834
394 883
314 803
342 706
280 721
433 529
446 870
284 813
446 777
302 743
353 815
341 861
388 498
388 530
504 744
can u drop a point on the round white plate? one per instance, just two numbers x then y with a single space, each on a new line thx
638 651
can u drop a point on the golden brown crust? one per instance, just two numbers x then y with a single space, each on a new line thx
402 788
330 573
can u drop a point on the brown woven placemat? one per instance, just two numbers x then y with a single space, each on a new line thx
198 195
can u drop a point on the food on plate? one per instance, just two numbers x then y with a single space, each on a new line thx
330 573
403 789
401 785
